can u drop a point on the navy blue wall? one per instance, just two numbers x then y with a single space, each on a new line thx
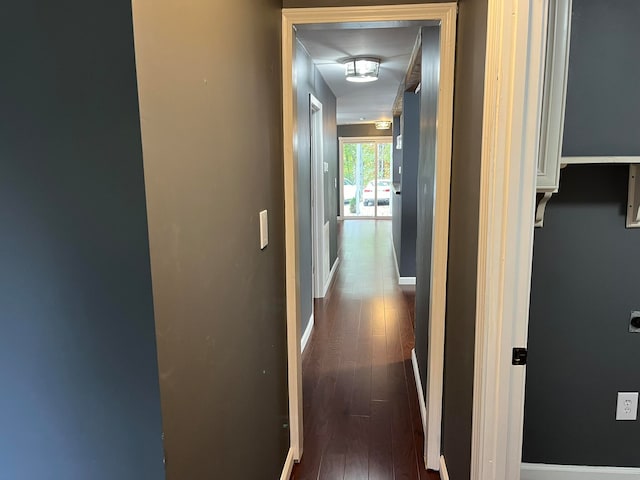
584 288
78 365
409 183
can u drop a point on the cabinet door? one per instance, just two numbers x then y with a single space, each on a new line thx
554 98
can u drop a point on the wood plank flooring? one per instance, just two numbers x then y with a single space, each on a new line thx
361 414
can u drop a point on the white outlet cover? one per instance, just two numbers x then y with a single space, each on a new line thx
627 406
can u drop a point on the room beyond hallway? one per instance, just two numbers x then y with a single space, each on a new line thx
361 413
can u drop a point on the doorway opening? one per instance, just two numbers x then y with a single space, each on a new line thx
319 227
435 151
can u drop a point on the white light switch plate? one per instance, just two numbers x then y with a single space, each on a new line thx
627 406
264 229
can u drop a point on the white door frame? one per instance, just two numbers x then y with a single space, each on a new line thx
341 142
318 269
514 72
445 13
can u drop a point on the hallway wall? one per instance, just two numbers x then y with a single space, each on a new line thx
78 365
309 81
211 109
463 237
584 288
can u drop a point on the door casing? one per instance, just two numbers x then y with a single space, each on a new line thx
445 14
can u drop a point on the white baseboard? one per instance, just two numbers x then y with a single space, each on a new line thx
332 275
407 281
444 473
423 405
539 471
395 257
307 334
288 466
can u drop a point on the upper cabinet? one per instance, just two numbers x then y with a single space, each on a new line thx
591 99
554 95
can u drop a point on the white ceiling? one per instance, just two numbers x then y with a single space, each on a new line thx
361 102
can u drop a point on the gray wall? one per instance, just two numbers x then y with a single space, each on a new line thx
309 81
78 364
463 237
584 286
603 104
585 272
211 103
363 130
409 185
424 131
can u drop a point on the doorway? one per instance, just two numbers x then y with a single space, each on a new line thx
443 17
365 177
319 228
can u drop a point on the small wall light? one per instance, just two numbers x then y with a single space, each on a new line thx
362 69
383 125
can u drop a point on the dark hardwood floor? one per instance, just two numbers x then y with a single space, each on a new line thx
361 414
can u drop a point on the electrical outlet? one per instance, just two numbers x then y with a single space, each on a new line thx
627 406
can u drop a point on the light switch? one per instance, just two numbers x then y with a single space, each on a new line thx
326 167
627 406
264 229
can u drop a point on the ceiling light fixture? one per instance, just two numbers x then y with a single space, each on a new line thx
362 69
383 125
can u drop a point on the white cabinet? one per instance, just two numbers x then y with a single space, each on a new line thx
550 159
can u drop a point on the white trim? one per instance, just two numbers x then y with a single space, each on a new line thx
538 471
332 274
292 248
444 473
395 258
514 67
406 280
288 466
603 160
420 388
440 238
319 256
445 13
307 333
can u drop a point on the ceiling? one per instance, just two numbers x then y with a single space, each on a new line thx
329 44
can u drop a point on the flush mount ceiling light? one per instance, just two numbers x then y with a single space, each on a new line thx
362 69
383 125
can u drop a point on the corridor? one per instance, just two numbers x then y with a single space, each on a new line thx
361 413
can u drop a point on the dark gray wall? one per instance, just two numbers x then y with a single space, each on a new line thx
584 286
603 104
211 103
424 131
463 237
409 183
309 81
78 364
363 130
